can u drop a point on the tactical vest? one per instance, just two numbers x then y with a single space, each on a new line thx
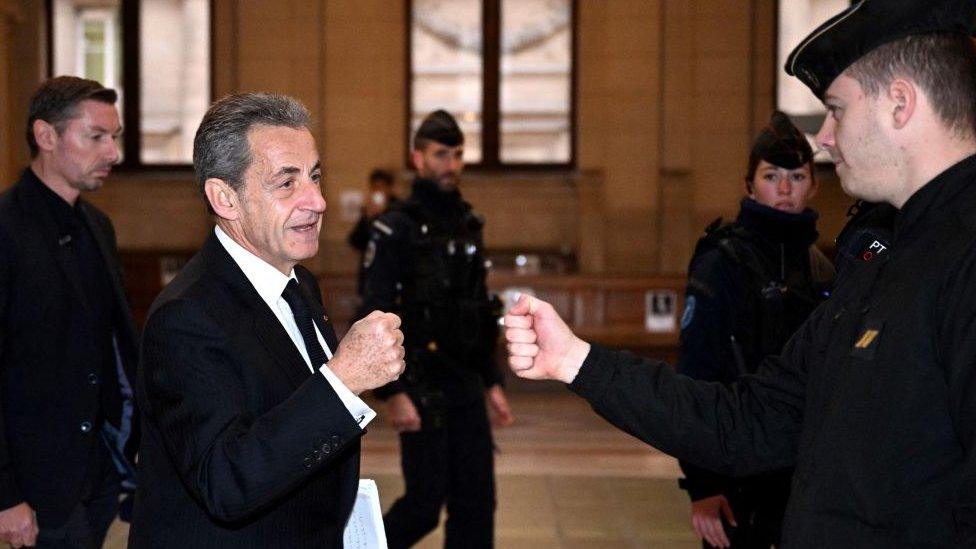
445 303
782 305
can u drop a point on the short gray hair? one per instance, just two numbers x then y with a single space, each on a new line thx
221 148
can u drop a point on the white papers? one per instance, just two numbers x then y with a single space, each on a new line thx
364 529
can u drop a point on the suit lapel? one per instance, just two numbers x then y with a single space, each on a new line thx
267 328
275 339
107 253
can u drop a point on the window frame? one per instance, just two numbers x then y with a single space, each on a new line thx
491 93
129 21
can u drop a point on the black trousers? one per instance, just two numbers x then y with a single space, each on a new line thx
452 465
758 506
90 519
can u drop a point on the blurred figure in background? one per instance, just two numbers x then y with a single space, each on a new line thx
380 198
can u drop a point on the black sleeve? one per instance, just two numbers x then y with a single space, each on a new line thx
359 236
386 266
738 429
10 494
956 340
706 331
233 463
706 347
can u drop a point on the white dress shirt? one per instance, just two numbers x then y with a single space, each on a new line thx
270 283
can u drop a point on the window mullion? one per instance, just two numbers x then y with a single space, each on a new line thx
491 35
132 142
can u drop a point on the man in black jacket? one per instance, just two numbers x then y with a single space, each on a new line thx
425 261
67 341
874 398
250 410
751 284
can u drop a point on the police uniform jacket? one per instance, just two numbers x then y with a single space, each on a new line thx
751 284
410 245
873 399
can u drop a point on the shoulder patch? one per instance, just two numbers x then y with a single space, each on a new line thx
689 313
382 227
369 254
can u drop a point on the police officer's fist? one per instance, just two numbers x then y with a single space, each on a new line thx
540 344
371 354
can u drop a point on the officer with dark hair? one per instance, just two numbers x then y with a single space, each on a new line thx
751 284
425 261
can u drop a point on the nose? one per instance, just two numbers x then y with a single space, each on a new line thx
783 186
825 137
456 164
314 200
112 152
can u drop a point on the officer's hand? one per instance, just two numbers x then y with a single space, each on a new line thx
371 354
402 414
706 519
501 411
18 525
540 344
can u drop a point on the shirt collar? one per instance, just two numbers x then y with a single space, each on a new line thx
64 214
268 281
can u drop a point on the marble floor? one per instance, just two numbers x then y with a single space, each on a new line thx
566 479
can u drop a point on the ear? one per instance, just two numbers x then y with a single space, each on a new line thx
45 134
223 199
904 96
417 159
748 187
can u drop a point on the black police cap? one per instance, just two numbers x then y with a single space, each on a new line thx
866 24
441 127
782 144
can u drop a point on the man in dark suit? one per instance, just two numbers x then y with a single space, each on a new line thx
67 342
251 415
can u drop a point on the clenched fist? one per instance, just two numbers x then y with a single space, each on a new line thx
18 526
540 344
371 354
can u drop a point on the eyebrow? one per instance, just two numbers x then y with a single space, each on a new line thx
98 128
289 170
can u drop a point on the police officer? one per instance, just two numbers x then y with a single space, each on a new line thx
751 284
425 261
873 399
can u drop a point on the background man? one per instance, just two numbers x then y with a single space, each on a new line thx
751 284
251 413
379 199
67 341
426 262
874 398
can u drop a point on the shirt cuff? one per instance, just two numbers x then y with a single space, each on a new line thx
362 413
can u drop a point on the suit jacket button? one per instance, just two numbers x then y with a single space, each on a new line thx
325 449
93 379
335 440
86 426
308 462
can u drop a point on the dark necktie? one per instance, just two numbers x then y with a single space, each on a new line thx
303 318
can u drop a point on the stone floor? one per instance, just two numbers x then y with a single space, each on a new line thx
566 479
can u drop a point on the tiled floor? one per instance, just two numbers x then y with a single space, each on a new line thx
566 480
